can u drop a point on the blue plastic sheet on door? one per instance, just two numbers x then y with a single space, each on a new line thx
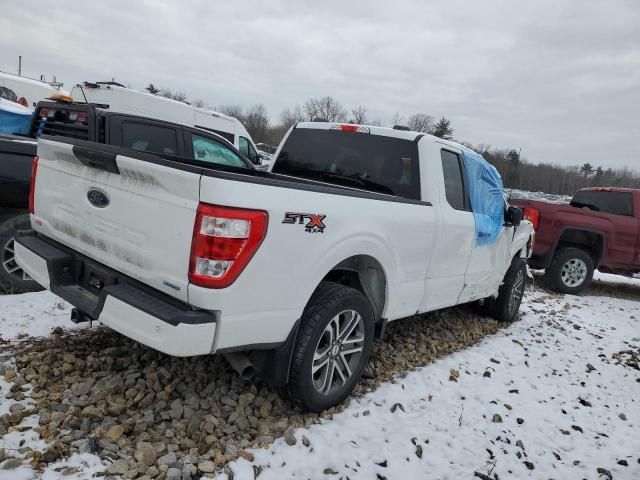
486 194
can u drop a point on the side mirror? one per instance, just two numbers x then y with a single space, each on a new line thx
513 216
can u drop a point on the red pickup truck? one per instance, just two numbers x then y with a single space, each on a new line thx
599 228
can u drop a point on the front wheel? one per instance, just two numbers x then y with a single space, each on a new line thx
332 347
505 307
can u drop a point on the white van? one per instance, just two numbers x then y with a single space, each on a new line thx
118 98
25 91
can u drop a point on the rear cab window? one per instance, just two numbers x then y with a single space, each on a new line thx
616 203
149 138
375 163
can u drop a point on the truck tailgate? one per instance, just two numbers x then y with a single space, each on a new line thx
132 215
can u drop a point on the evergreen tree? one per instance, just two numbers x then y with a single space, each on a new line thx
443 129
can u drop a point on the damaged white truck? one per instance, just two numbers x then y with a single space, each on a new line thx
292 273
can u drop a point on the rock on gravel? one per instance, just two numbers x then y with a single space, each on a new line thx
155 415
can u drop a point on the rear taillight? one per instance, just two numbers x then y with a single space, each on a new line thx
32 185
533 215
224 240
77 116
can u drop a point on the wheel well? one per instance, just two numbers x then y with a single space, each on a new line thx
590 242
365 274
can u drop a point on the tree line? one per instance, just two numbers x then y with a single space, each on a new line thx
516 171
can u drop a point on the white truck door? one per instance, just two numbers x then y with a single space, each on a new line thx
455 237
487 267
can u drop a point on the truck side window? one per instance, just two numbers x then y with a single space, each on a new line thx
453 181
244 146
247 149
208 150
617 203
149 138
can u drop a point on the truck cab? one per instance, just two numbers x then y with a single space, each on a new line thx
118 98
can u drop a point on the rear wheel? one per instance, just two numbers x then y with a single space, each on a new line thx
12 278
505 307
332 347
571 271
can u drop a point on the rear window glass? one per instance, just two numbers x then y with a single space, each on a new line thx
618 203
149 138
359 160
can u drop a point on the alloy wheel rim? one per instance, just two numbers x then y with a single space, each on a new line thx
574 272
338 352
517 292
9 261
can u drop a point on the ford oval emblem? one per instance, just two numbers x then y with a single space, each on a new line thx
98 198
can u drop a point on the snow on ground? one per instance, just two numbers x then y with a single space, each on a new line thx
544 398
610 278
32 314
525 195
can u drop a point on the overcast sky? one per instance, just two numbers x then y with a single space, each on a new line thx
559 79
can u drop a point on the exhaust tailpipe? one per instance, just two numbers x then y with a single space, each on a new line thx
241 364
78 316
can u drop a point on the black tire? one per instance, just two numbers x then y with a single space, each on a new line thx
558 276
505 307
12 278
329 302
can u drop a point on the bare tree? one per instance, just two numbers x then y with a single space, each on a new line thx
421 122
179 96
234 111
256 121
359 115
152 89
199 103
168 93
397 119
326 108
292 116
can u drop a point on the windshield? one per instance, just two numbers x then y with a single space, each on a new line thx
359 160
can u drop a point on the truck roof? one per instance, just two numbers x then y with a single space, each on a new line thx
384 131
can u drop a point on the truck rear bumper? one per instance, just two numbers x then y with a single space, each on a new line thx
122 303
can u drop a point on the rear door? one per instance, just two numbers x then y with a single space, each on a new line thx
142 224
456 236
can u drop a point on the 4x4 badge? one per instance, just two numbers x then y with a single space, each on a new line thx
314 221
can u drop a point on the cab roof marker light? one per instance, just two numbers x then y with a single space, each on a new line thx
348 127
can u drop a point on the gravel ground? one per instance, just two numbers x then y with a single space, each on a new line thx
157 416
154 416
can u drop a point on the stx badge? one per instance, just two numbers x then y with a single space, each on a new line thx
314 221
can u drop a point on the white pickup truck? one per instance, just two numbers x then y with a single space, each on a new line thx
293 273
